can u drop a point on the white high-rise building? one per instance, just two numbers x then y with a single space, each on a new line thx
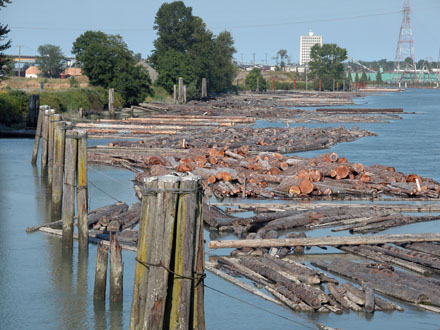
305 44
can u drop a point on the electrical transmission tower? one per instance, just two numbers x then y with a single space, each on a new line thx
405 62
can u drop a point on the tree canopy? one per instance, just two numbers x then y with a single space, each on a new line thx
106 60
326 63
252 78
4 44
186 48
50 61
282 53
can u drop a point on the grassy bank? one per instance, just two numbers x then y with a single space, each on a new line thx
14 103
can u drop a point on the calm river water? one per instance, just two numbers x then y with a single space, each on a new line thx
42 287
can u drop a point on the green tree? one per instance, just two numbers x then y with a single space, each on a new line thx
4 44
363 78
107 62
50 61
222 69
186 48
327 63
282 53
251 80
379 78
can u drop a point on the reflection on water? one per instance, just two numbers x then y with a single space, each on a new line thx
43 286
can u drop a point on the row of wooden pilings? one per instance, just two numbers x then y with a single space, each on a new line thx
64 163
168 291
179 91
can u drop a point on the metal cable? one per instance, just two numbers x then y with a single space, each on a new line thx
104 192
260 308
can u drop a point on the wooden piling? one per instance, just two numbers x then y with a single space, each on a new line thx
82 191
58 167
69 187
50 147
44 140
166 294
111 102
116 270
199 267
204 93
33 111
186 229
38 134
101 272
141 271
174 94
180 91
184 94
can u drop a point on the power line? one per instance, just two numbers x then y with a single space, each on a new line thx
135 29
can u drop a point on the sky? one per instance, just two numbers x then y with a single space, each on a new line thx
369 30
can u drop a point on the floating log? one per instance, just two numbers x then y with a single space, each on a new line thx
327 241
361 110
211 268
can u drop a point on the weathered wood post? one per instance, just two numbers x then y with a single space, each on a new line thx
58 166
44 140
82 191
38 134
69 187
81 113
116 270
180 91
174 94
33 111
50 154
100 273
184 94
204 89
111 102
187 230
170 263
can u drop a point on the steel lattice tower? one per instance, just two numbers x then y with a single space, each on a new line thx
405 49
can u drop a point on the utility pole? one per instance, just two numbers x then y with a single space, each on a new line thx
253 54
19 60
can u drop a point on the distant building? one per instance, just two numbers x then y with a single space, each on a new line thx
305 44
71 72
32 72
152 73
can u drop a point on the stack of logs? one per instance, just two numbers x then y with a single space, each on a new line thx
357 219
382 278
235 173
298 286
283 140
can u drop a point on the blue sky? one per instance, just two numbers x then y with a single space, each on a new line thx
368 29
